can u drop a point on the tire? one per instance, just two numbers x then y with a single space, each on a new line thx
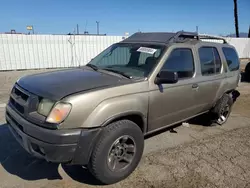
247 72
101 160
222 109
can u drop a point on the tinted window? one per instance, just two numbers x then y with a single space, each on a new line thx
180 61
232 58
210 60
134 60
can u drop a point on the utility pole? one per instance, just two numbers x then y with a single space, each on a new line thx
248 32
236 22
97 22
77 29
197 29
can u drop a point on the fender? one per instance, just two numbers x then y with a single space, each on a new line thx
118 107
234 94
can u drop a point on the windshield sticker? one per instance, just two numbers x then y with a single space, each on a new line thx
147 50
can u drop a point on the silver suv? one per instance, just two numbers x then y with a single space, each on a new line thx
97 115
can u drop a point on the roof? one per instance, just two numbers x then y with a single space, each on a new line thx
150 37
166 37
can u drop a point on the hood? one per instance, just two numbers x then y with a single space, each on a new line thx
58 84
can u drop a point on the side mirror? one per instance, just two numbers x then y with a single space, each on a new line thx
166 77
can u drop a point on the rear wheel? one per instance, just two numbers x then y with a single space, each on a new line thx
117 152
222 109
224 114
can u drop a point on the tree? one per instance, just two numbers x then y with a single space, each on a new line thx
249 32
236 19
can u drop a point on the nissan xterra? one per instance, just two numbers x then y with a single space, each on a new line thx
97 115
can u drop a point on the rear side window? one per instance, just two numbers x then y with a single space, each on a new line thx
181 61
232 58
210 61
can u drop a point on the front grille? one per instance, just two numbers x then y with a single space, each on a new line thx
17 106
19 93
23 101
25 104
19 100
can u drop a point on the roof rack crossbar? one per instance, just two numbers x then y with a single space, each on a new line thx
212 37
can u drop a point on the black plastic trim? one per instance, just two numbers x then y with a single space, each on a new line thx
58 153
85 146
121 115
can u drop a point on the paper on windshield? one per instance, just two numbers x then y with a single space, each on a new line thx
147 50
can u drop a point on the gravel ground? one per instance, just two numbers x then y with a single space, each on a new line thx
195 156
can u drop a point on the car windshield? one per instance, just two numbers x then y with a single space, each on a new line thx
129 60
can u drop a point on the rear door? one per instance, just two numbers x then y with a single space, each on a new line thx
210 77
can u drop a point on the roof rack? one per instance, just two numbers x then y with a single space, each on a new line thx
168 37
182 36
212 37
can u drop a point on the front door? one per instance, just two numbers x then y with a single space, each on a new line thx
170 103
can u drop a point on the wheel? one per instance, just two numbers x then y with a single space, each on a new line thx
222 109
117 152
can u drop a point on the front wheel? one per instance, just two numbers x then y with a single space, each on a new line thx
117 152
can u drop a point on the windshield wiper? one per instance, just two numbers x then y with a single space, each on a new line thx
94 67
118 72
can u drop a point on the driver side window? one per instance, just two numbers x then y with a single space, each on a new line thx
181 61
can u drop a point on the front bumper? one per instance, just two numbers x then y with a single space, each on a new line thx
71 146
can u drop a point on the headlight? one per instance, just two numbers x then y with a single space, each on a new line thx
45 106
59 113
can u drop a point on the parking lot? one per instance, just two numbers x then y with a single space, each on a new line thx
192 156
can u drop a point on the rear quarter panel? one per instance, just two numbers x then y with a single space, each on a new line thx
232 77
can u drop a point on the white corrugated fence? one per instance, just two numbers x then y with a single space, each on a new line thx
242 46
19 51
50 51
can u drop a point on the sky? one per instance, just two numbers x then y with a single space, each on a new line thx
116 17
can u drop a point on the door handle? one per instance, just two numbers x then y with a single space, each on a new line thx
195 86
